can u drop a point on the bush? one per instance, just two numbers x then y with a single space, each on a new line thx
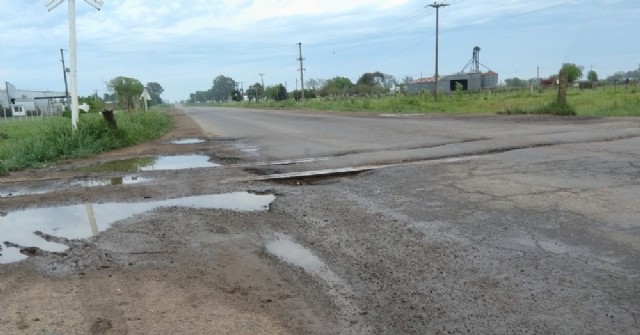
556 108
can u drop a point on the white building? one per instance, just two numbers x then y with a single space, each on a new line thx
17 102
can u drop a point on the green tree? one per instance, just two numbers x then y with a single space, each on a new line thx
278 92
222 88
314 84
573 71
515 82
236 95
255 92
336 86
127 91
155 90
376 82
592 76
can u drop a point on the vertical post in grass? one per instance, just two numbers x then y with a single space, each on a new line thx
562 87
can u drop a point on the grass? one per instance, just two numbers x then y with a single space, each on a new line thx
40 142
608 102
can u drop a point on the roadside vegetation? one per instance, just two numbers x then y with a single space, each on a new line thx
601 102
39 142
617 95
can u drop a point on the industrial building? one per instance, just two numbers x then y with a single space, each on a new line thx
17 102
474 80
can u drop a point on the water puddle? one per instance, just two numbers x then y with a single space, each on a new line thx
188 141
86 220
47 187
154 163
297 255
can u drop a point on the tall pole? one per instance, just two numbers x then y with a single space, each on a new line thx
64 73
301 72
262 81
74 64
437 7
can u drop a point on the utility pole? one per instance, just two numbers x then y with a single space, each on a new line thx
262 81
64 72
301 71
437 7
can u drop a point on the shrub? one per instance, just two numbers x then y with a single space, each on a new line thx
556 108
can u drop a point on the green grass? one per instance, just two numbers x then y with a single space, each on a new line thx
40 142
609 102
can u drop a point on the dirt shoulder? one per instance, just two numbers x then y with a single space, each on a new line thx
171 271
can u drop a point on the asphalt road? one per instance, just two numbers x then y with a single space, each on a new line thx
354 224
464 224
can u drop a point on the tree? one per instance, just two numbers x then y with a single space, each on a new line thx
255 91
155 90
127 90
573 71
336 86
315 84
278 92
592 76
515 82
375 82
222 88
236 95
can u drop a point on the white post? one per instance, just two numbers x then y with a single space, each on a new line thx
74 64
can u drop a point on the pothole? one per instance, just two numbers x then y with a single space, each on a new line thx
39 227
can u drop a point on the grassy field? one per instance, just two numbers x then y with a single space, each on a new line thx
37 142
623 101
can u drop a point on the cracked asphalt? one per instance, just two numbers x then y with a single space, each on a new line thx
446 225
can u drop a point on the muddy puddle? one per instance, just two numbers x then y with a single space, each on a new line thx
52 186
188 141
27 228
154 163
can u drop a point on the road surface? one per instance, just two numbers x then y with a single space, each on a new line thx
373 224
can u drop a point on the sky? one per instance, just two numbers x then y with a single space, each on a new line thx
184 45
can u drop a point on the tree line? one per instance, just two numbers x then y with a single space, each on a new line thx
224 89
574 73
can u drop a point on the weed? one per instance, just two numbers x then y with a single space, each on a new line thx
48 142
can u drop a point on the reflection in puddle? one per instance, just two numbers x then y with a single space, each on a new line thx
47 187
188 141
154 163
86 220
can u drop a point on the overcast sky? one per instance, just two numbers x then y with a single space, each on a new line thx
184 45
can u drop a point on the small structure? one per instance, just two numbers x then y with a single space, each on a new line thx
474 80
